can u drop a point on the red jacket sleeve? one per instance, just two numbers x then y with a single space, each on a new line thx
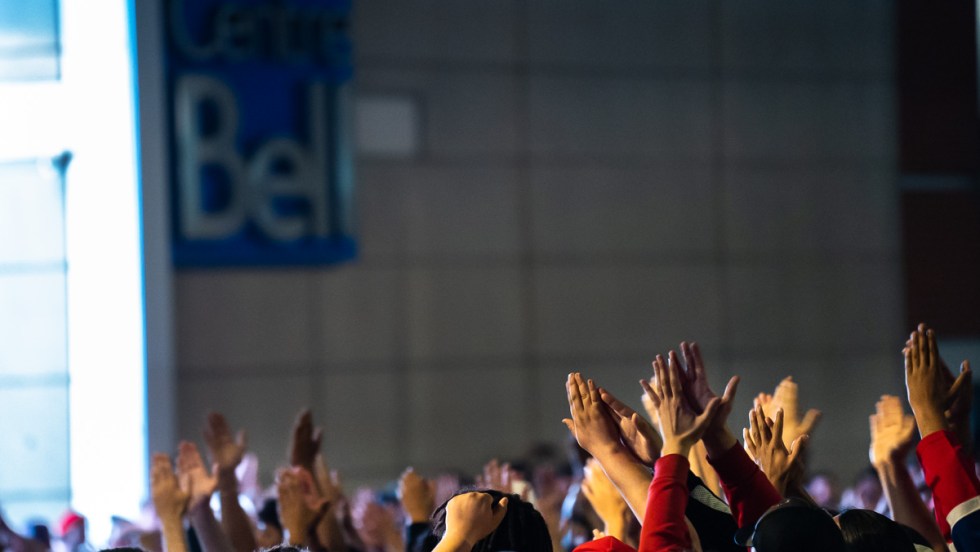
949 473
748 490
664 528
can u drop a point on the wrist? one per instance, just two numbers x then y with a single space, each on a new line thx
675 447
610 450
457 541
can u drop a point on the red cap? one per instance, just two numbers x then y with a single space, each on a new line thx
68 520
605 544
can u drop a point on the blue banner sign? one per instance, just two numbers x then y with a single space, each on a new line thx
261 152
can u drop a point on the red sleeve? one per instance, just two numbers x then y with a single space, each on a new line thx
748 490
949 473
664 528
605 544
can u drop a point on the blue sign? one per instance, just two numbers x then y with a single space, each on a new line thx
261 151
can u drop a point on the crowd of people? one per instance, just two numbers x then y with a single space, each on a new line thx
676 479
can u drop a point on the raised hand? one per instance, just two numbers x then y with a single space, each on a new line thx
300 504
637 433
226 451
306 441
417 496
169 499
787 399
764 441
959 397
591 423
927 394
170 502
605 499
195 479
680 425
891 432
698 391
470 517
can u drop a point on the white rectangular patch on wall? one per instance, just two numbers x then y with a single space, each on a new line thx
387 126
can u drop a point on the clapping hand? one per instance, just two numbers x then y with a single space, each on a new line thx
764 441
892 432
680 425
195 480
639 435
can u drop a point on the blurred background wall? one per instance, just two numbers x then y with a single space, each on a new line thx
547 186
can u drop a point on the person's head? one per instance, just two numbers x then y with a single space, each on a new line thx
793 525
868 531
72 529
824 489
522 529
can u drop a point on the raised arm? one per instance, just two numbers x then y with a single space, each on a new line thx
748 491
226 453
664 527
948 470
606 500
592 425
892 432
782 465
199 485
170 502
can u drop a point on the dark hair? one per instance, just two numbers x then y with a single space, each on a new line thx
869 531
269 513
522 529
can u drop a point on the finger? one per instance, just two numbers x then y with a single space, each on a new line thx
963 379
659 368
666 387
688 355
810 421
650 392
574 398
570 425
698 362
797 447
754 426
747 440
242 439
777 426
317 438
933 349
730 390
583 389
673 371
593 393
499 511
614 404
907 353
764 430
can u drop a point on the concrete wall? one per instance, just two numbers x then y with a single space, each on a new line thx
593 182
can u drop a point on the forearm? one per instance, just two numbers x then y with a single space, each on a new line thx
212 537
748 490
949 473
234 520
629 476
173 534
904 501
718 441
664 527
